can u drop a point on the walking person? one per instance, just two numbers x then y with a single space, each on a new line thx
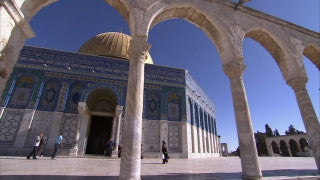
141 151
41 147
57 145
109 148
165 155
119 150
35 147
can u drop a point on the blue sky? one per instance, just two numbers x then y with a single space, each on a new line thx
67 24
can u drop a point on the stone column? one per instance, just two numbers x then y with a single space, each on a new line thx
192 127
14 30
84 117
249 156
308 114
54 130
131 138
117 134
24 128
1 111
204 137
269 148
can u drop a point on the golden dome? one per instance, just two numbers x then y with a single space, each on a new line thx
110 44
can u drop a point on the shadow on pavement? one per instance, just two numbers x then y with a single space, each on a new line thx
290 172
170 176
57 177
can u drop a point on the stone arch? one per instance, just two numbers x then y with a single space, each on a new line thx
196 16
110 89
21 12
284 148
272 45
303 144
293 146
101 100
30 7
313 53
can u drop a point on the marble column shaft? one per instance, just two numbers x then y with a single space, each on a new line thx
309 116
130 166
248 152
118 116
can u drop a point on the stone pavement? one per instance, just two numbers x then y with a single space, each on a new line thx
96 168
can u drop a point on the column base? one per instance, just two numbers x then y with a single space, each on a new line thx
73 153
251 177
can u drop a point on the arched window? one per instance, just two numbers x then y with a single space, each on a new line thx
173 107
22 92
284 148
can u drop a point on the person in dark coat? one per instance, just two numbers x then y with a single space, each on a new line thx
109 148
41 147
119 150
165 155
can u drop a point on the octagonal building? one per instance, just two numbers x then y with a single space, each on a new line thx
82 95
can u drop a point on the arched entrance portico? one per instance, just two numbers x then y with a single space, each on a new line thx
99 120
234 23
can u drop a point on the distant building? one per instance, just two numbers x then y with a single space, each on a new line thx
288 145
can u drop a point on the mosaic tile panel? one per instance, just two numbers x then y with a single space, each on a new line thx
69 129
174 137
49 97
74 96
22 92
9 125
152 105
151 136
62 97
173 106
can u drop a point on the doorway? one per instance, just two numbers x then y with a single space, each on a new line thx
100 130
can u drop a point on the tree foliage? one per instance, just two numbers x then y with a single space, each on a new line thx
291 131
261 143
294 149
284 149
276 132
268 130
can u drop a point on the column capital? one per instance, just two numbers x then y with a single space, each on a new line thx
83 108
17 15
119 110
298 83
139 48
234 69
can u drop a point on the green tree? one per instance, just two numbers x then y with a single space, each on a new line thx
294 149
291 130
268 130
261 143
276 132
